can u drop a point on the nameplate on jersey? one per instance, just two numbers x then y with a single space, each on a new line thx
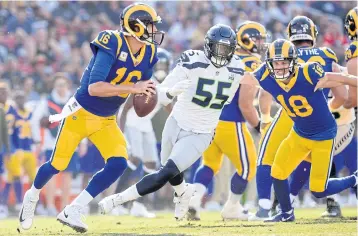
123 56
196 65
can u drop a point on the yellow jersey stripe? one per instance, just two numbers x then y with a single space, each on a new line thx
265 75
153 52
248 69
330 55
99 43
119 39
306 74
139 58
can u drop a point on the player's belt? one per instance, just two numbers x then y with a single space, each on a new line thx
71 107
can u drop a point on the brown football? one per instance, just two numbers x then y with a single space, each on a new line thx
144 104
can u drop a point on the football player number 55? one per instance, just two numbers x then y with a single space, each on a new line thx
204 97
299 106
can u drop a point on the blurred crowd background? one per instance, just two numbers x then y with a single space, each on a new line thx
39 39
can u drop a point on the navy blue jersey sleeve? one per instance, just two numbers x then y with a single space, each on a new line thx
261 73
330 54
107 41
101 67
153 60
154 57
313 72
147 74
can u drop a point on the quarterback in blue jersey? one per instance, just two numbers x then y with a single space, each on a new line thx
293 87
120 60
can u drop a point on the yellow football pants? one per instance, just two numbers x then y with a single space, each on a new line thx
273 136
235 141
21 159
101 131
294 149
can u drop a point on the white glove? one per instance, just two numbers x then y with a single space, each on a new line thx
179 88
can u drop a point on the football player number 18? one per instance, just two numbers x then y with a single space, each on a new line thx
299 106
204 97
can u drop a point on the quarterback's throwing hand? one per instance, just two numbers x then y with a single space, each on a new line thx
146 87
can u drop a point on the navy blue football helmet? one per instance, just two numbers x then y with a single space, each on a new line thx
220 44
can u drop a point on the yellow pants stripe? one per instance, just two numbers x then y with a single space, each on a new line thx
266 140
330 163
57 136
243 152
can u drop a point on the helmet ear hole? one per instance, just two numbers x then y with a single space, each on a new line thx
246 40
136 29
352 26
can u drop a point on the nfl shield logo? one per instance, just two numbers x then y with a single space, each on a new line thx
123 56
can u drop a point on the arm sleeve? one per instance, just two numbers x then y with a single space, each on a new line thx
101 67
176 75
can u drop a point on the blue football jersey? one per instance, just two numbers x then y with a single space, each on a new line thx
323 55
11 119
126 69
232 112
308 109
23 130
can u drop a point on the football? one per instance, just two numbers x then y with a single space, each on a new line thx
144 104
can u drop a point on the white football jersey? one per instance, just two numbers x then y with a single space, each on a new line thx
198 109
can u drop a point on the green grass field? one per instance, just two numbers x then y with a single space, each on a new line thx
308 222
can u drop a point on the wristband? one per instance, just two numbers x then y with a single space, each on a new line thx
258 127
169 96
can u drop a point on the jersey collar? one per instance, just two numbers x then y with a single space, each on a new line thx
136 59
23 114
289 86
